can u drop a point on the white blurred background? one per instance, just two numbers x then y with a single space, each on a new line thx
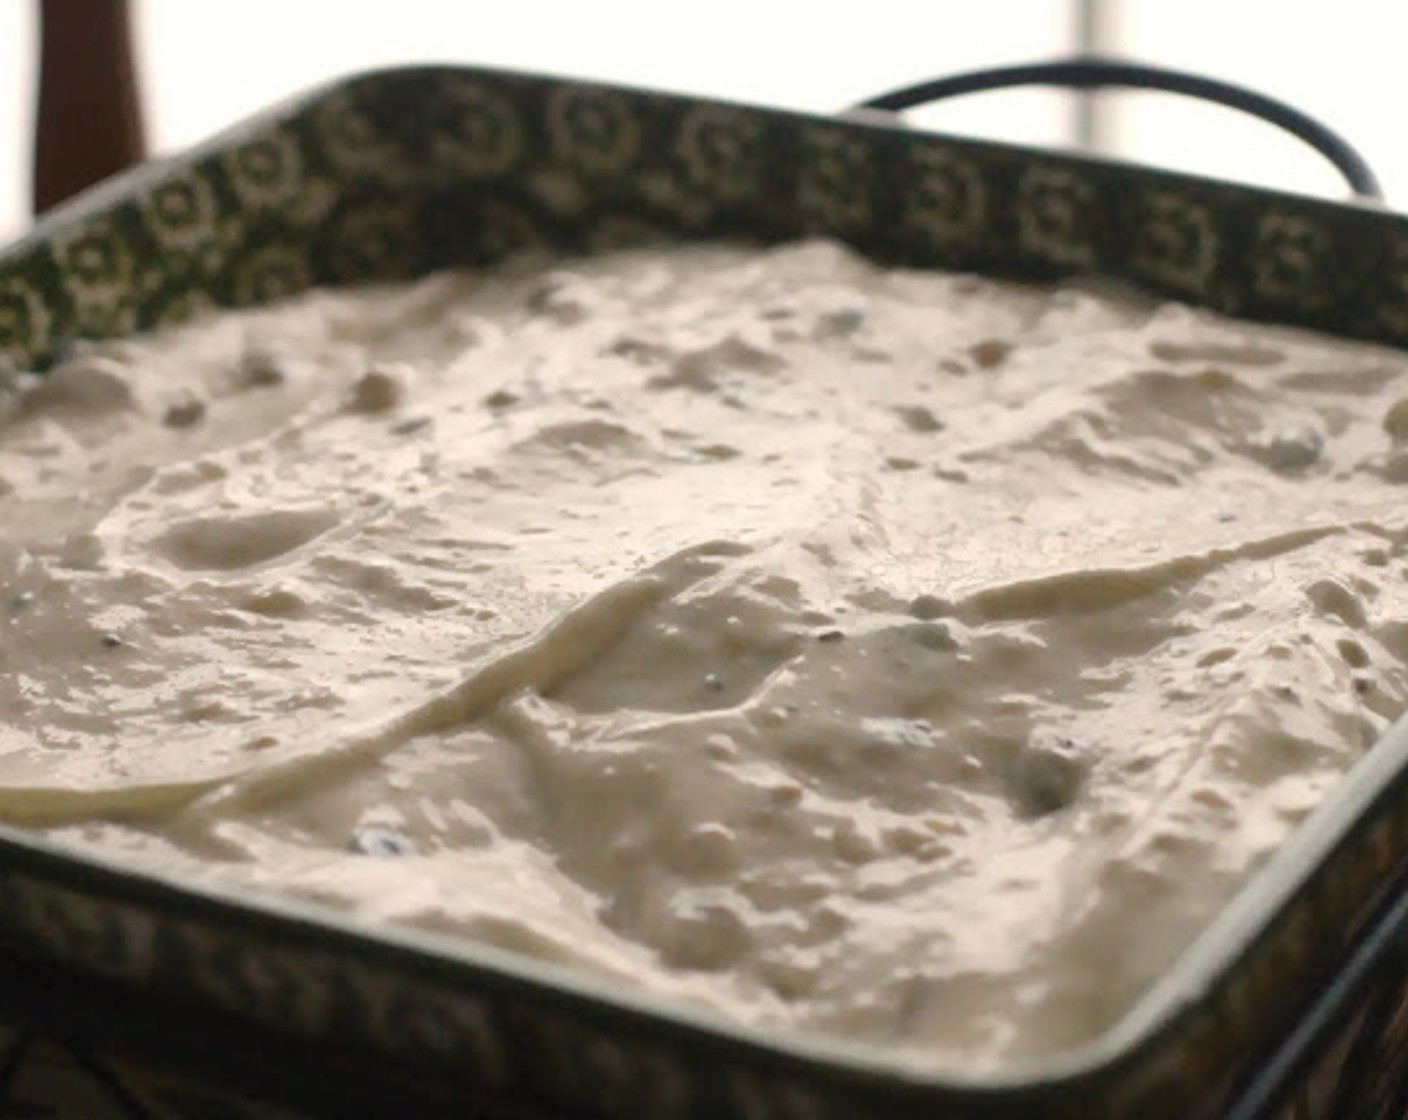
205 65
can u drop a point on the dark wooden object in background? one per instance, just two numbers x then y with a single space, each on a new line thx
88 123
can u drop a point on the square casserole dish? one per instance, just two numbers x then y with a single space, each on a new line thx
392 174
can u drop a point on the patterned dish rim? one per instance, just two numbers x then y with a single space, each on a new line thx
389 174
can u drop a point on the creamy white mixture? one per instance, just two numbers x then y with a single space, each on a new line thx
915 658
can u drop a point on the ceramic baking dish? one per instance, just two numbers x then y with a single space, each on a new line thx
391 174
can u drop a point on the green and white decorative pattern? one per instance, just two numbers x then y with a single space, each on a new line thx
392 174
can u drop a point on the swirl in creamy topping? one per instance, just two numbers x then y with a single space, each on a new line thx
916 658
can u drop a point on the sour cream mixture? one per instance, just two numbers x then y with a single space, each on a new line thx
914 658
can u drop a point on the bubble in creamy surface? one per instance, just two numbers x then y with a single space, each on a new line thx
914 658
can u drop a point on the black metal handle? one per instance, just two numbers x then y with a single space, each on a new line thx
1098 73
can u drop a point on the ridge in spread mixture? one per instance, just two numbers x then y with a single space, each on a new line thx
916 658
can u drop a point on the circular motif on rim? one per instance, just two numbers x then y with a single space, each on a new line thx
181 213
592 129
946 200
1056 216
270 273
96 265
481 133
352 143
1290 261
375 241
265 172
833 181
720 150
1177 243
24 321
